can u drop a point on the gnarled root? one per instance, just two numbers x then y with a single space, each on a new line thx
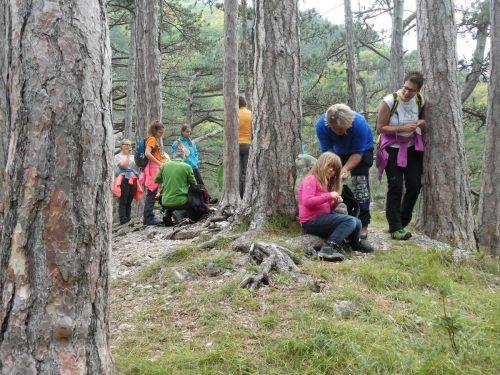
269 256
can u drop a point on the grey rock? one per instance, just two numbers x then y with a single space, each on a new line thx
211 269
345 309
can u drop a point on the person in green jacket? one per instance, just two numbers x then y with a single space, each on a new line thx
176 177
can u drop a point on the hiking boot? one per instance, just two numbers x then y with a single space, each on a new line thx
153 222
168 221
330 252
178 216
363 247
364 233
401 235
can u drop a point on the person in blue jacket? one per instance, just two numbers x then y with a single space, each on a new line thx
347 134
185 144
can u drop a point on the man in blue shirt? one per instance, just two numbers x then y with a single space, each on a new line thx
347 134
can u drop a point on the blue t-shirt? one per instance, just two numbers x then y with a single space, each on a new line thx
356 140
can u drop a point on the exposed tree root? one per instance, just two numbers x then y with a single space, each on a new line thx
269 256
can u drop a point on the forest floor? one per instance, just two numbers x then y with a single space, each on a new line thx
416 306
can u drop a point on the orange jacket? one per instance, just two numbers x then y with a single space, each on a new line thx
117 185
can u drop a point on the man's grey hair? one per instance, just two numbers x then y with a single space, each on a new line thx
341 114
179 154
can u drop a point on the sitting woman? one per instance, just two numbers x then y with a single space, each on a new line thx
319 194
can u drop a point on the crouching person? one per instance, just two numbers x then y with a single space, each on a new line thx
319 194
176 177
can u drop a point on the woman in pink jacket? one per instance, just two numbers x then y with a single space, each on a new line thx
319 194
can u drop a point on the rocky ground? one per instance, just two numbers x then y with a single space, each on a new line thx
137 246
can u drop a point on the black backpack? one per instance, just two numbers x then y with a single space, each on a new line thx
197 197
350 201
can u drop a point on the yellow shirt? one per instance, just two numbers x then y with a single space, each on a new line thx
245 126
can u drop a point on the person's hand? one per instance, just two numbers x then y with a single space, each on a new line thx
336 197
407 128
421 123
344 174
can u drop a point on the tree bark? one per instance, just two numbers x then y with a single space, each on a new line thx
55 188
397 55
488 225
276 115
477 65
148 71
350 62
230 186
246 58
130 105
446 208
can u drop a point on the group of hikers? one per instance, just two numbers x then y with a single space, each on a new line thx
347 145
180 177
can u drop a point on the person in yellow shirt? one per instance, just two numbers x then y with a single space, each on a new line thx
245 140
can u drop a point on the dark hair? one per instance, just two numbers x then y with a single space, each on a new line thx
184 128
415 77
242 101
154 128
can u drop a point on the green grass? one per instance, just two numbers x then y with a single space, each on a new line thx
400 298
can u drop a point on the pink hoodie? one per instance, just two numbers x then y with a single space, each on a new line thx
313 200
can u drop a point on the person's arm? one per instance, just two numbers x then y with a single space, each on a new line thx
191 179
309 197
325 143
150 156
351 163
159 177
383 127
124 163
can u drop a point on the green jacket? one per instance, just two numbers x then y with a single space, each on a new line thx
176 177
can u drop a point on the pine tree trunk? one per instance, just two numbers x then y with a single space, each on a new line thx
246 58
148 62
55 188
130 105
231 179
352 101
397 55
276 114
488 225
446 208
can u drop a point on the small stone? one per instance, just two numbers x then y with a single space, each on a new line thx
345 309
128 297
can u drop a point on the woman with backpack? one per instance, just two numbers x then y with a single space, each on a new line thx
400 122
319 194
154 155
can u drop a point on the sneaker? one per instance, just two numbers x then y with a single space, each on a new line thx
363 247
331 253
401 235
364 233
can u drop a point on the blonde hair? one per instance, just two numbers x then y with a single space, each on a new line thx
324 162
341 114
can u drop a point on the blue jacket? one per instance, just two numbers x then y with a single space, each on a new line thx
357 140
192 159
